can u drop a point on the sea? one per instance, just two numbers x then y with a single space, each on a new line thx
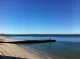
63 48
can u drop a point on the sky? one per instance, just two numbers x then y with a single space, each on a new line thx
39 16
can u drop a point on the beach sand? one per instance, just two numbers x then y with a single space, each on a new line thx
14 51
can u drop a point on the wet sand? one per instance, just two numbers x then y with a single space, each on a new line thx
13 51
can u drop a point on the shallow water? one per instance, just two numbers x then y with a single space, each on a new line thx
64 48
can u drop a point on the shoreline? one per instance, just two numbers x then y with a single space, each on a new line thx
16 51
35 52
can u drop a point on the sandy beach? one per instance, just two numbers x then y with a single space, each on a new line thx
13 51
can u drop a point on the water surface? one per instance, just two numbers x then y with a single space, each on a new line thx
64 48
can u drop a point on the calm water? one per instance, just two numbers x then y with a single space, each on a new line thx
64 48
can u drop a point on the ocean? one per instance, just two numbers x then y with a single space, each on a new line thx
63 48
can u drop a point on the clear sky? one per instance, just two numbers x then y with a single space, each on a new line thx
39 16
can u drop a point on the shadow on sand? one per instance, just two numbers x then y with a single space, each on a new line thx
10 57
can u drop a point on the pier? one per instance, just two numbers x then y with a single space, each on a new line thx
27 41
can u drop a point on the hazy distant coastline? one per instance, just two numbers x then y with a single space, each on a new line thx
43 35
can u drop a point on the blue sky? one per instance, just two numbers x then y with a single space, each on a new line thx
39 16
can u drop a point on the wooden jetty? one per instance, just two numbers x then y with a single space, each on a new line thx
27 41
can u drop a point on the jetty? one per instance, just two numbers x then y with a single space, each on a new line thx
13 51
27 41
